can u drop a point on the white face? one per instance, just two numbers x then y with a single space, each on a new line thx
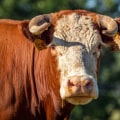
77 45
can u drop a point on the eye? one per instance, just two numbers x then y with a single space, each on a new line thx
53 46
99 47
53 49
96 53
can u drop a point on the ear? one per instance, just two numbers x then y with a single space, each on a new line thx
114 42
39 26
116 39
110 31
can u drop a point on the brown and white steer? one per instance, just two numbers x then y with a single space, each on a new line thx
50 64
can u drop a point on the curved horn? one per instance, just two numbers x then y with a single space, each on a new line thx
39 24
108 23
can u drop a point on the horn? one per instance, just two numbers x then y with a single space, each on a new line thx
109 24
39 24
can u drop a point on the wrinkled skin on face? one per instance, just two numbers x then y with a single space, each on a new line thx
77 44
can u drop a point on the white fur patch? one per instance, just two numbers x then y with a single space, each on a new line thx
76 55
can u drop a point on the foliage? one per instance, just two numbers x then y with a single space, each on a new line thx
107 107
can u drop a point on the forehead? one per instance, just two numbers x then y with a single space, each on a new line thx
77 28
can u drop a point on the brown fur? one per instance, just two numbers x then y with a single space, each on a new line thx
29 80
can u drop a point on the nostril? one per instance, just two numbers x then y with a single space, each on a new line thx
81 83
70 84
88 84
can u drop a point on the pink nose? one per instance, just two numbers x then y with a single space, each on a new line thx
80 85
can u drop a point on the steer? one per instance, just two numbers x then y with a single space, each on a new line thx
50 63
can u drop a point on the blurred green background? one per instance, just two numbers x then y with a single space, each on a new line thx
107 107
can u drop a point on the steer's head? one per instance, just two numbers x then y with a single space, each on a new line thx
76 42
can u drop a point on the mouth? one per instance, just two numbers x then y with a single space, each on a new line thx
79 100
80 97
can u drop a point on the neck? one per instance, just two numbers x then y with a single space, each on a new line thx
47 83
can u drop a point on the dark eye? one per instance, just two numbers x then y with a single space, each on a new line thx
53 49
96 53
53 46
99 47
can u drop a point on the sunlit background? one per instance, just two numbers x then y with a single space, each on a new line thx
107 107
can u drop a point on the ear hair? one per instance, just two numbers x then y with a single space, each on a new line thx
40 41
114 41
